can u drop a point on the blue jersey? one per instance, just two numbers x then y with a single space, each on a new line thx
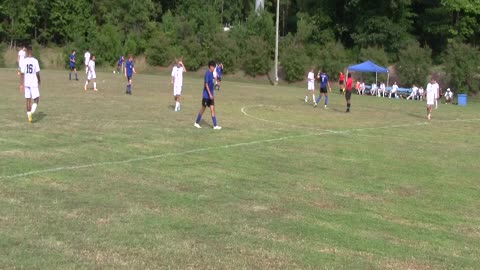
120 61
208 80
323 80
71 61
129 68
219 71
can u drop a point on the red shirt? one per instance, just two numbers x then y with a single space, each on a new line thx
349 84
341 77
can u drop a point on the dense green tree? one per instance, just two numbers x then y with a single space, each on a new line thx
461 64
414 64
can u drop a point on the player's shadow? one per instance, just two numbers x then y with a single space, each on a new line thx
416 115
171 107
204 123
39 116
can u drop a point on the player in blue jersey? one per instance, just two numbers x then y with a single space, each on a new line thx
324 82
120 61
71 65
208 98
129 70
217 74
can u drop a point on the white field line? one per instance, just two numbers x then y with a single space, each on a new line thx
243 110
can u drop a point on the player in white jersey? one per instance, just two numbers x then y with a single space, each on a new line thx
177 82
437 89
29 82
91 75
413 94
86 56
310 85
20 57
448 96
431 97
394 90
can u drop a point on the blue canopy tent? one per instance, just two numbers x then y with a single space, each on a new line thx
369 66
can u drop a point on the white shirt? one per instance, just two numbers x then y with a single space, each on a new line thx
311 77
414 90
21 56
91 67
382 86
87 58
394 88
29 68
449 94
177 75
431 91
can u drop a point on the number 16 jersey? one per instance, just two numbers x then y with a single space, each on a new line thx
29 69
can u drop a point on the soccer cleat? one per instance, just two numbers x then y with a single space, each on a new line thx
30 118
217 127
429 116
325 107
315 104
306 99
85 88
95 89
197 125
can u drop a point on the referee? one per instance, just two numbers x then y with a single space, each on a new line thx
348 92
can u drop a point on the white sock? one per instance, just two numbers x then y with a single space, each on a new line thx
176 105
314 100
34 107
86 83
94 85
28 114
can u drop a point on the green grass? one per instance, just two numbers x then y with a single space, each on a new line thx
108 181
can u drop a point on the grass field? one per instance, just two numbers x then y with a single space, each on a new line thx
108 181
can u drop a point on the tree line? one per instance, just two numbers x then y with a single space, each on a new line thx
410 35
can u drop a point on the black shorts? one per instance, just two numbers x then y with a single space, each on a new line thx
72 68
206 102
129 78
219 79
340 82
348 95
323 90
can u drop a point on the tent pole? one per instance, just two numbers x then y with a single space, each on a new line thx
376 78
388 78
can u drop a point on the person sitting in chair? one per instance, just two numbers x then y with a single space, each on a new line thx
448 96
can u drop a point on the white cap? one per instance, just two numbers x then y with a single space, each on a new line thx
448 89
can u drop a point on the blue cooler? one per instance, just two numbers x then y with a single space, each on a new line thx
462 99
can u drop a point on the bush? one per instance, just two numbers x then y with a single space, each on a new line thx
225 50
195 55
37 51
293 60
106 45
375 54
461 64
331 58
3 48
156 52
257 59
414 64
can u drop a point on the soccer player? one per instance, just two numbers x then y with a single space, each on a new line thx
86 56
177 82
218 75
437 89
91 75
29 82
120 61
310 86
20 57
129 70
71 64
431 97
341 82
348 92
448 96
394 90
414 92
208 98
381 90
323 80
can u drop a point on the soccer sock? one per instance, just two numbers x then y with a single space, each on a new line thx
34 107
94 85
326 100
86 83
199 117
313 97
177 105
214 120
318 99
348 106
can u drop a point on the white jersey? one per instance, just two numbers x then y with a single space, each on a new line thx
29 69
21 56
414 90
91 70
177 76
87 58
431 93
311 81
394 88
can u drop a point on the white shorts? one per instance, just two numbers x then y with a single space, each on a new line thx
177 90
430 100
91 76
311 86
31 92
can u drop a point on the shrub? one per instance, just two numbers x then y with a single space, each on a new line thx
293 60
3 48
414 63
461 64
106 45
225 50
257 59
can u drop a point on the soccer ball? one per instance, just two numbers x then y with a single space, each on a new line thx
114 72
